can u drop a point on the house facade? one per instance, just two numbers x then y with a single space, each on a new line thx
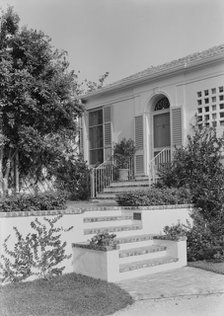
156 108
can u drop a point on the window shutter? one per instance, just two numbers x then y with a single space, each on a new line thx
107 116
139 164
80 135
177 127
139 144
139 132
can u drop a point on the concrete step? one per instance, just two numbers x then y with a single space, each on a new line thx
106 218
112 229
125 189
141 253
97 222
145 267
146 264
106 196
135 241
133 183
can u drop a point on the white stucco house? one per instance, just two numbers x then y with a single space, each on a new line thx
155 108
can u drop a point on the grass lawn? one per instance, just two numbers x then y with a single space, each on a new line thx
68 295
217 267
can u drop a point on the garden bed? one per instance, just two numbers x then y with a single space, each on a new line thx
217 267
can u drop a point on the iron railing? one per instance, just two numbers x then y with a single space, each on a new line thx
161 160
102 176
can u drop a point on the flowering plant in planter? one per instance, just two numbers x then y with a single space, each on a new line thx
102 240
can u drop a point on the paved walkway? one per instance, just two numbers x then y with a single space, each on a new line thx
184 291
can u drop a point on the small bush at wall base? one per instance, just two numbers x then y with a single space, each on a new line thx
154 196
41 201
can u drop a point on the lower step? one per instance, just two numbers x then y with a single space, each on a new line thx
146 264
111 229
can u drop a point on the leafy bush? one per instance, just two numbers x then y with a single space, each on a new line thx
41 201
198 166
203 243
38 253
103 240
154 196
73 176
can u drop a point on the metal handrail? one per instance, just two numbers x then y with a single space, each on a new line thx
101 177
163 157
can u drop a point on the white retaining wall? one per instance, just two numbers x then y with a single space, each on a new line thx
153 220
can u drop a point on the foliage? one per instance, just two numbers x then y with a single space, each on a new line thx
73 176
41 201
39 253
154 196
203 241
198 166
39 102
102 240
123 152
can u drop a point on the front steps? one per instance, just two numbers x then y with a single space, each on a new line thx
117 187
138 254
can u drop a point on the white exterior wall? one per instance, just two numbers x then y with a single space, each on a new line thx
181 90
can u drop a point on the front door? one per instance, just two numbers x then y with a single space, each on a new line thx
161 132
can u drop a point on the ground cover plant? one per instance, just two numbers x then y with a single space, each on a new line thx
154 196
70 295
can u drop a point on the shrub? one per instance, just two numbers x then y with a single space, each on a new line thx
198 166
202 242
154 196
39 253
73 177
41 201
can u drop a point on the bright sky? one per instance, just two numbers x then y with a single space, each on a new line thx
124 36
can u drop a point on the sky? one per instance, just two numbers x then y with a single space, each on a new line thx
124 36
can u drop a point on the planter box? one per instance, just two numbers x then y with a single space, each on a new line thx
100 264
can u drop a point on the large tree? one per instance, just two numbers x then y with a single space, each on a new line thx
39 101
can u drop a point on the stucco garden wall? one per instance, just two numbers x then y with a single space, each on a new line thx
153 220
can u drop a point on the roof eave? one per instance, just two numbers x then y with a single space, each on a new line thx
170 71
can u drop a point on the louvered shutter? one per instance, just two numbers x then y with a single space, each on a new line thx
177 127
107 117
139 143
80 135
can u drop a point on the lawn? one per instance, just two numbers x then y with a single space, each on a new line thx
69 295
217 267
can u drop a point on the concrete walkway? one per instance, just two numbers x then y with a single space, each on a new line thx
186 291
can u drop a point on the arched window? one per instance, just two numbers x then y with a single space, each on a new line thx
162 104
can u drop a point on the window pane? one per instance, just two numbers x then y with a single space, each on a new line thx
95 118
96 156
96 137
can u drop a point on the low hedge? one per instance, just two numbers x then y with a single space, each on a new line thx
42 201
154 196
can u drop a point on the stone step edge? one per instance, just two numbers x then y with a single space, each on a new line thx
112 229
106 218
146 264
141 251
133 239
